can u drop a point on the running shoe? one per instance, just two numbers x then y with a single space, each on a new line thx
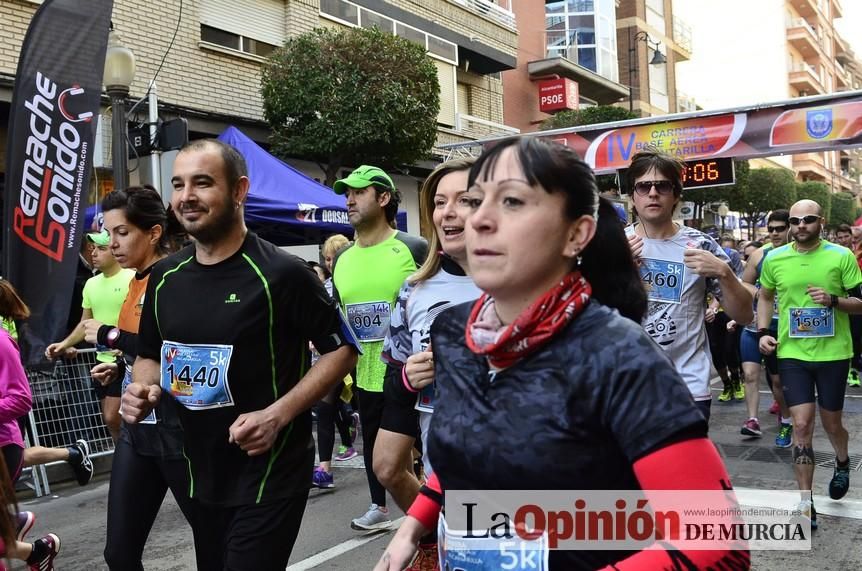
322 479
774 409
426 559
840 482
375 518
726 394
45 549
345 454
853 378
79 459
24 522
806 510
751 428
738 391
784 437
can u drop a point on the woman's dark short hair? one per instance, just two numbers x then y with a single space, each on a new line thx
652 158
607 262
143 208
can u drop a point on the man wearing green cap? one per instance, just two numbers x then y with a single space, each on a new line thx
103 297
367 277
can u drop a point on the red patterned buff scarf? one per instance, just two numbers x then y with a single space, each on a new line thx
531 330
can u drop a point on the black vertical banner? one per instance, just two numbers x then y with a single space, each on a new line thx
52 127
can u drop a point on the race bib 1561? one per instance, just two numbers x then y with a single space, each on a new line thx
196 375
812 322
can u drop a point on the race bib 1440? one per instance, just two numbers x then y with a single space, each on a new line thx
196 375
663 279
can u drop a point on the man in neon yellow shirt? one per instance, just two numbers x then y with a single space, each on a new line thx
102 299
817 283
367 277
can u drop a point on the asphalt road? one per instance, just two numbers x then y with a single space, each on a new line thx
327 542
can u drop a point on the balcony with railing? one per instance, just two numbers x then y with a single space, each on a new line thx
682 39
802 36
491 10
805 79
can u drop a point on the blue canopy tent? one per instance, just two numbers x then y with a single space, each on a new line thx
285 206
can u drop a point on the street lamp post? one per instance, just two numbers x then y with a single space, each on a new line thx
119 74
657 59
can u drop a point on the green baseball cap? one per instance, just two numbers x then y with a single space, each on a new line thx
99 238
364 177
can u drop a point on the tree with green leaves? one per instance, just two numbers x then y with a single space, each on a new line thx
759 191
351 96
587 116
819 192
843 209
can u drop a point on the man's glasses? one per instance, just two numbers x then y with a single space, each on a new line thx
776 228
662 186
810 219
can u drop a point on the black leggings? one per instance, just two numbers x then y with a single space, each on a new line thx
370 414
138 486
13 455
329 416
723 344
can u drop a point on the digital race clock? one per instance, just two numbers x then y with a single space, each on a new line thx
708 172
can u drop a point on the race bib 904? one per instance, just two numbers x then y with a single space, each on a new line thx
196 375
812 322
663 279
369 321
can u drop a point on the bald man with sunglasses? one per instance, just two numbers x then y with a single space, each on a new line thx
818 285
679 266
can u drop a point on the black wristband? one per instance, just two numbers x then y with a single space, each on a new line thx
102 334
763 332
834 301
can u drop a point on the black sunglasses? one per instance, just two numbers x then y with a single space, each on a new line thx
809 219
645 186
776 228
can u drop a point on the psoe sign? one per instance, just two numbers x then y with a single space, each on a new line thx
557 95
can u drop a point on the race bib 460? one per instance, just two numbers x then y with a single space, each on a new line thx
196 375
663 279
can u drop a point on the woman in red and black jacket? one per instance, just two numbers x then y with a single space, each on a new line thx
548 382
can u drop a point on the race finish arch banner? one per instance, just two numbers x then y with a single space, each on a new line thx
803 125
52 127
820 123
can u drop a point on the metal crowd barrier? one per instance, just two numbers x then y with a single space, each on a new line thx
65 409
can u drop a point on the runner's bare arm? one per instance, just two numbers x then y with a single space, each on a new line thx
764 307
143 393
736 299
749 274
255 432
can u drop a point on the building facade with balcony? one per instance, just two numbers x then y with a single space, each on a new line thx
653 85
573 40
211 73
779 49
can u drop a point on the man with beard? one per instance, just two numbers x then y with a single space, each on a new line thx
817 284
367 277
678 266
225 330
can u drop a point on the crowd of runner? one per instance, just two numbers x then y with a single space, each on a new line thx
531 310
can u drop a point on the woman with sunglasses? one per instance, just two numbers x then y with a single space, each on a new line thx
679 266
148 458
547 382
